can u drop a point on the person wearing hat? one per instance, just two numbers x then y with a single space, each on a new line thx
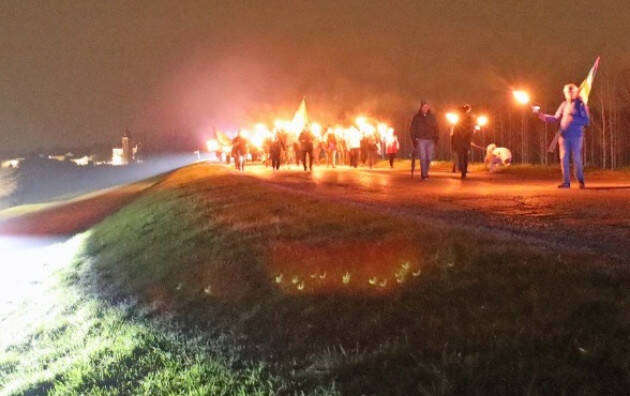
425 133
462 138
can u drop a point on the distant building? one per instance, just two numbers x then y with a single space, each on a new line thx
117 156
11 163
127 153
61 157
83 161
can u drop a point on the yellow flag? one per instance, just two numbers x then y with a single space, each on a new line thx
300 119
587 84
223 139
584 91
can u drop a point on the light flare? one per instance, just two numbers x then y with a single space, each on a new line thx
452 118
521 96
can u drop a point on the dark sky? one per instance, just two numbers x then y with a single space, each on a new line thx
80 72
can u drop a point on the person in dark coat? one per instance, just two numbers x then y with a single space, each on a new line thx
462 138
239 151
425 133
306 146
275 151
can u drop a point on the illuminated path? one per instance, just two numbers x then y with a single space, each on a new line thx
593 220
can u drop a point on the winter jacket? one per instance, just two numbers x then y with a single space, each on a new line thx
463 132
306 140
424 126
573 117
239 146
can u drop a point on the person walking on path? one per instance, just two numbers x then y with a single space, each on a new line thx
354 146
372 149
425 133
391 147
306 146
573 116
331 148
275 152
462 138
239 151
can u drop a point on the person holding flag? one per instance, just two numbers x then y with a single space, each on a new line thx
573 115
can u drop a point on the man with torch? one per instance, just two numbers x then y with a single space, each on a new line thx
573 116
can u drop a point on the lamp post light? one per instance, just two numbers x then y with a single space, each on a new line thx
523 98
482 121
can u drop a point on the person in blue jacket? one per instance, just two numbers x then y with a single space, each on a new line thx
573 117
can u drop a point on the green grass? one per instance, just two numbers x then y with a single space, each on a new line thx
180 288
83 345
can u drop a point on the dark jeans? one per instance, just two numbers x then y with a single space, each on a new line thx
355 154
425 149
391 156
571 148
310 159
462 159
371 156
275 162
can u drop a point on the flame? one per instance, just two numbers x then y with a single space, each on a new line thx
452 118
521 96
212 145
316 129
482 120
259 133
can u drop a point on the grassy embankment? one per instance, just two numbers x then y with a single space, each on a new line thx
211 276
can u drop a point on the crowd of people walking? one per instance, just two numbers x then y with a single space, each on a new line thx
355 146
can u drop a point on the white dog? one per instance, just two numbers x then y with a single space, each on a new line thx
497 157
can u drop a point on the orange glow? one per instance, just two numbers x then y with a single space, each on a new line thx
382 128
257 138
482 120
452 118
521 96
316 129
212 145
257 135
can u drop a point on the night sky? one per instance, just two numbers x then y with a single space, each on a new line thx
77 73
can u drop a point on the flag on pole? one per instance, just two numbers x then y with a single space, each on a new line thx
223 139
583 91
300 119
587 84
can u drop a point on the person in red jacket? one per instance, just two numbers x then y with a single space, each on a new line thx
391 146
